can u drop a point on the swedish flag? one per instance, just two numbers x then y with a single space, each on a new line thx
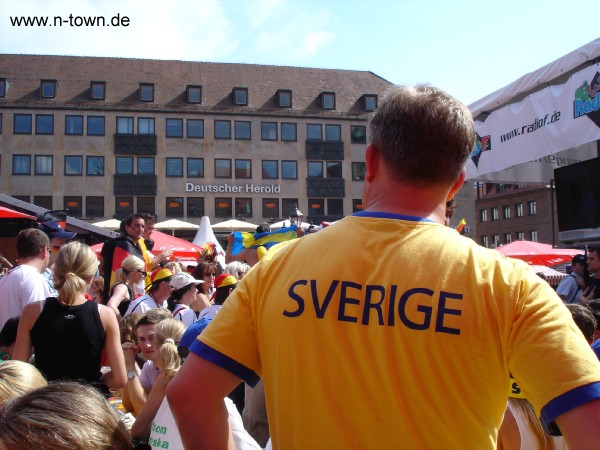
243 240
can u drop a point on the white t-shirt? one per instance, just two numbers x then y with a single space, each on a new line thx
19 287
148 375
144 303
165 434
185 314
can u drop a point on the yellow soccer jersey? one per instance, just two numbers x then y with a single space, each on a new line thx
387 331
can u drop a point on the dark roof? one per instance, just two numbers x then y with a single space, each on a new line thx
170 78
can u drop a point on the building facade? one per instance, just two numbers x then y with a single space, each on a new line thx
106 137
510 212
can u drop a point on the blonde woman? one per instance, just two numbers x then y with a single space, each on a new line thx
60 416
70 333
18 378
123 291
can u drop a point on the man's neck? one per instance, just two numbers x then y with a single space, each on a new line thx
409 201
36 263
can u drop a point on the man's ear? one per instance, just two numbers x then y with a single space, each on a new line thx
372 158
457 184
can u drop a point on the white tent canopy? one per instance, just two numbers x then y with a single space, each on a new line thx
110 224
544 120
175 224
234 225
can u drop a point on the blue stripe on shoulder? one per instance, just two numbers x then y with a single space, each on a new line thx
565 403
225 362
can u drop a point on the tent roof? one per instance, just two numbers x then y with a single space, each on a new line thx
7 213
175 224
528 128
234 225
536 253
555 71
182 249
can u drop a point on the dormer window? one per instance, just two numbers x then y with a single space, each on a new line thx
98 90
147 92
3 87
284 98
240 96
370 102
194 94
48 89
328 100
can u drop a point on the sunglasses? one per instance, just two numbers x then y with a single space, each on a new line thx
141 271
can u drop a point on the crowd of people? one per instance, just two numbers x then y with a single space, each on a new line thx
414 338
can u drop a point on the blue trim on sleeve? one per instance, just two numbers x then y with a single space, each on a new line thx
565 403
386 215
225 362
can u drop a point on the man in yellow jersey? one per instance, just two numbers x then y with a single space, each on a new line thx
385 353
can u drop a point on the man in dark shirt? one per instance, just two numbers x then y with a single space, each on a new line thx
114 251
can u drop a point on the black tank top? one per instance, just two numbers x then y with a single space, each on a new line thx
124 305
68 342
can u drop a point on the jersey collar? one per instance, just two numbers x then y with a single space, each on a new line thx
386 215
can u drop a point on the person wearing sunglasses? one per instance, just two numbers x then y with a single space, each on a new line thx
159 291
207 272
124 290
58 237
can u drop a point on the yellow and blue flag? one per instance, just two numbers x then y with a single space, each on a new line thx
243 240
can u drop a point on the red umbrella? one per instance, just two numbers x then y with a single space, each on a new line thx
182 249
6 213
536 253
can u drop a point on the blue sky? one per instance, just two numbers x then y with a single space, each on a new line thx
469 48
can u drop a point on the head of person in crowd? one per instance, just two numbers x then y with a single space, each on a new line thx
149 224
18 378
437 121
96 289
579 264
594 306
174 266
224 284
62 415
133 226
208 253
207 272
145 331
450 207
237 268
168 336
185 290
593 260
409 124
263 228
33 248
127 327
8 337
75 267
160 286
584 319
131 272
57 235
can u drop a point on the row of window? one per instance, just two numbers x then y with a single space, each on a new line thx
193 93
194 128
494 239
194 167
506 211
225 207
